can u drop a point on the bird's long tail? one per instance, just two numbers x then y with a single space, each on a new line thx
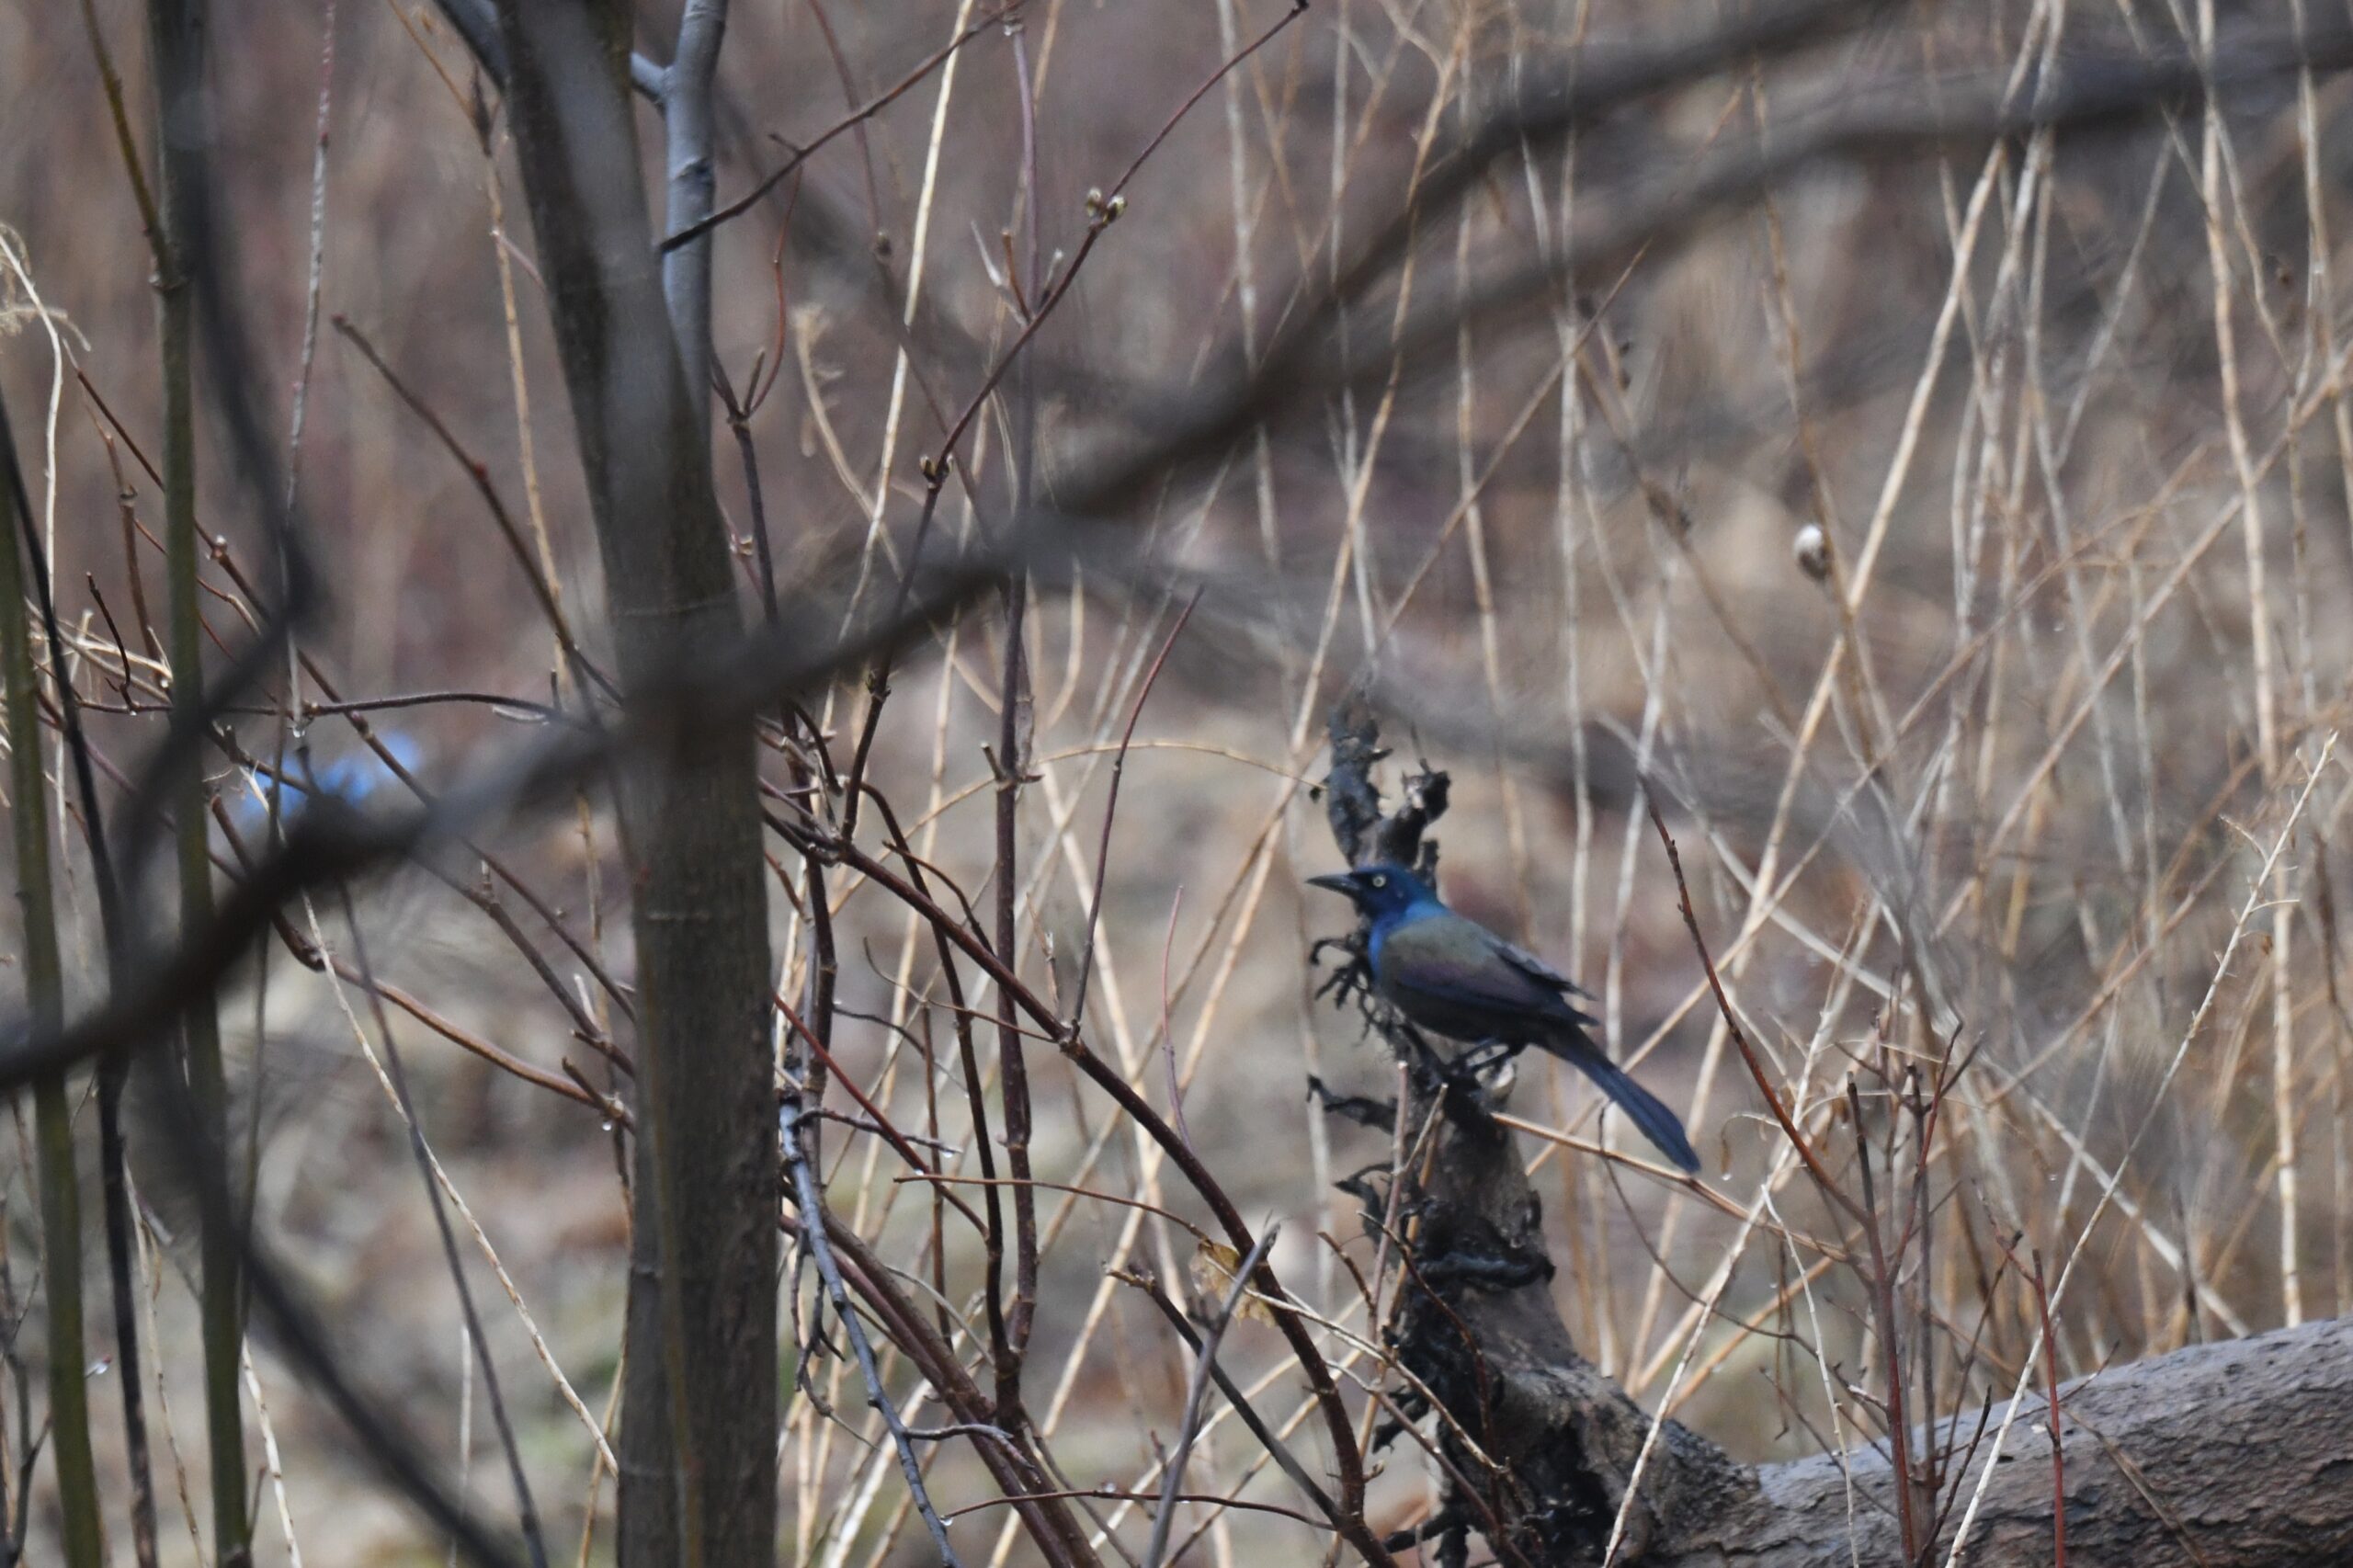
1660 1125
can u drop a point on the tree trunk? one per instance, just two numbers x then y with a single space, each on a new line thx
699 1421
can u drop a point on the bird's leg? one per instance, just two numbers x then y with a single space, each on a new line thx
1460 1083
1487 1054
1430 1065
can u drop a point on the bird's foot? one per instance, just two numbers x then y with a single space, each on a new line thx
1351 978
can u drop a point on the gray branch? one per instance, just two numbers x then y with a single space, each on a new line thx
693 180
810 1198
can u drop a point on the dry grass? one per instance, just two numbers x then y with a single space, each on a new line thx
2066 411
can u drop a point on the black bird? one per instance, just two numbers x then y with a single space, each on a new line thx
1450 974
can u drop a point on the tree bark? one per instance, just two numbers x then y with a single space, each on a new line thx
1567 1439
700 1408
2236 1455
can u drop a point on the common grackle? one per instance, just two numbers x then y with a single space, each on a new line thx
1450 974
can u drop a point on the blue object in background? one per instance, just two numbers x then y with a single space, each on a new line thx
357 778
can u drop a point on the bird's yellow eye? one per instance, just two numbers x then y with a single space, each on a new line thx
1378 880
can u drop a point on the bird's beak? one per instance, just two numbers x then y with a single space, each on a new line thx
1342 882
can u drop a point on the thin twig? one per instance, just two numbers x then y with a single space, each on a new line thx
811 1198
1798 1140
1196 1398
1111 808
526 1512
859 117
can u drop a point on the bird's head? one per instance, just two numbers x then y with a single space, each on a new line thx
1378 890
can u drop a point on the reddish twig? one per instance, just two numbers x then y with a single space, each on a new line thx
1111 807
477 472
968 1058
1882 1288
2033 1272
877 1121
1740 1038
2058 1444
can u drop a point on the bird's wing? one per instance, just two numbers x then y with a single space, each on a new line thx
1537 969
1455 962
